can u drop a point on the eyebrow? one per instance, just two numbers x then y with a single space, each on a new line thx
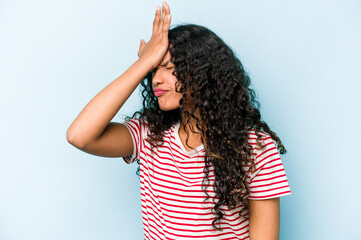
164 64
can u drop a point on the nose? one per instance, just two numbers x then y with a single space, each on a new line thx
158 77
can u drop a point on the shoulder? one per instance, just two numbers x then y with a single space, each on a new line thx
259 137
136 123
137 126
263 146
268 178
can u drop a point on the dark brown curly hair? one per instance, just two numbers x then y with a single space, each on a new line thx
220 90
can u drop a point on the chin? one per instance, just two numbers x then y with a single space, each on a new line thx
164 108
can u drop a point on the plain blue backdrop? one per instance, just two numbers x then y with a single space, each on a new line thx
303 57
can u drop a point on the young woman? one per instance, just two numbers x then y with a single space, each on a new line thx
208 165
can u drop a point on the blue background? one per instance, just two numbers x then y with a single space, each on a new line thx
304 58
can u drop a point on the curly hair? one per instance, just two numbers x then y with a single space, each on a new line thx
220 90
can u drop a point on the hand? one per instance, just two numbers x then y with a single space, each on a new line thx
157 47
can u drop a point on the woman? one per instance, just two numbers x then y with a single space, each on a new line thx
209 167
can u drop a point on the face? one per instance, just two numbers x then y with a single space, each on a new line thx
164 85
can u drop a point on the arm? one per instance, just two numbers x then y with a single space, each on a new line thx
91 131
264 220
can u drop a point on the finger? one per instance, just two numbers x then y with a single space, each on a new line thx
141 47
165 12
163 17
156 19
166 23
161 20
167 8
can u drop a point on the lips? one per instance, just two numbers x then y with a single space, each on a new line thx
159 91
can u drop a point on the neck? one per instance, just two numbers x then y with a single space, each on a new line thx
192 122
191 125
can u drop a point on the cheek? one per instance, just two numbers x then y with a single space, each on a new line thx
175 98
170 101
178 97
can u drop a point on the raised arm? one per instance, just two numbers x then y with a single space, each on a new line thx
92 131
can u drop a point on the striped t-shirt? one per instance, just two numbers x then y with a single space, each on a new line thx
171 193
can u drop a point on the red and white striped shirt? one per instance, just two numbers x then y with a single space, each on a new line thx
171 193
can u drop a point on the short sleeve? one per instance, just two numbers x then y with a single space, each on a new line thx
137 131
269 178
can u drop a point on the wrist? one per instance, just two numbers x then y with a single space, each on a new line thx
147 62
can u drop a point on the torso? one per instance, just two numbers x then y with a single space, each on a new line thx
174 204
173 201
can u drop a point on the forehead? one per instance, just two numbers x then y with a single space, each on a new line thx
166 58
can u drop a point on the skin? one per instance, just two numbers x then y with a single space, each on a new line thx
92 131
264 220
164 79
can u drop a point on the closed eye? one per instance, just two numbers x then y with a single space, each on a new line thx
153 72
155 69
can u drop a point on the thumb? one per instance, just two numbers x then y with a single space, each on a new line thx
142 45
